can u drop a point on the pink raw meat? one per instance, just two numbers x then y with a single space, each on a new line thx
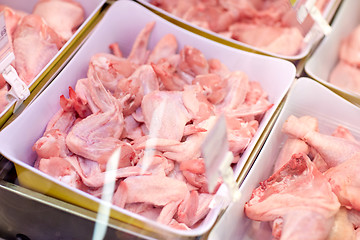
168 211
169 109
190 149
131 90
139 53
286 41
96 179
293 145
218 68
166 71
156 190
345 181
344 132
213 87
52 144
35 44
64 16
196 103
165 48
165 113
62 120
236 89
300 195
110 69
99 133
350 48
334 150
60 169
240 133
187 209
346 77
192 62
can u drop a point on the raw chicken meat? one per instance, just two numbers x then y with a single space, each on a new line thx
280 40
63 16
298 194
334 150
149 113
350 48
346 73
36 37
346 77
344 182
34 43
290 197
269 25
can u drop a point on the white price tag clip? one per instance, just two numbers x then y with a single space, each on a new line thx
19 90
309 8
218 159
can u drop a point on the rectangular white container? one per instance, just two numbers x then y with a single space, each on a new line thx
327 14
325 57
91 8
307 97
122 22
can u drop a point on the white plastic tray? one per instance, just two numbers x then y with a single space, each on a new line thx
321 63
121 24
330 109
91 7
328 14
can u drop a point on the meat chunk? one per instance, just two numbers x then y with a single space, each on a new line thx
156 190
64 16
344 180
35 44
298 193
334 150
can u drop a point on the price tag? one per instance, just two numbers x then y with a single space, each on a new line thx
5 49
304 8
218 159
19 90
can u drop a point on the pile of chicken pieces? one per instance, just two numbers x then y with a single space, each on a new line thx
154 108
37 37
313 192
270 25
346 73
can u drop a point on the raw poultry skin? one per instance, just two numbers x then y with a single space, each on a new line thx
34 41
346 73
63 16
157 107
302 201
35 44
269 25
